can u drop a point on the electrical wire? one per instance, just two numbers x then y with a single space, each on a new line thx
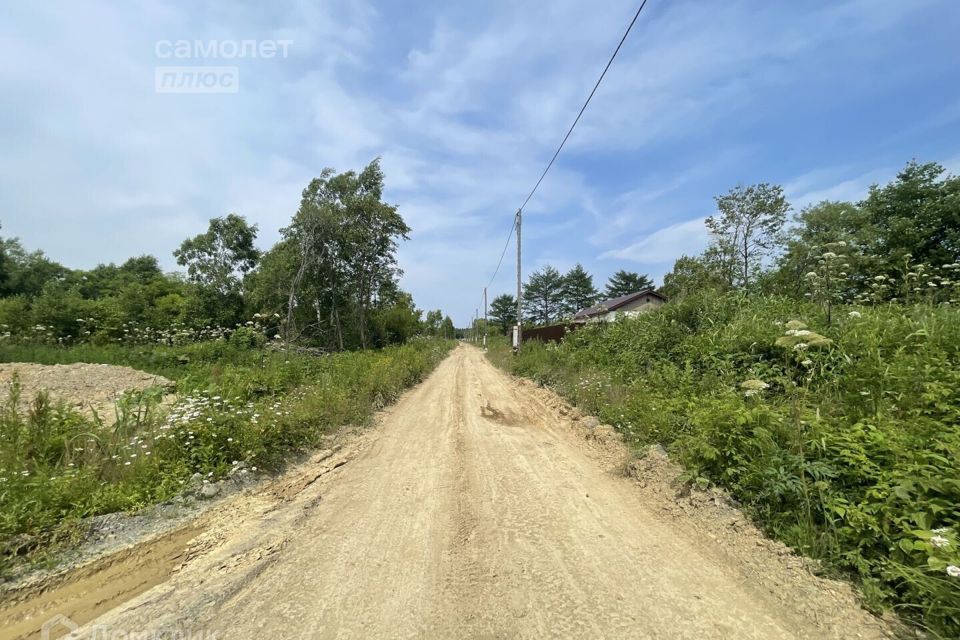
504 252
566 137
584 107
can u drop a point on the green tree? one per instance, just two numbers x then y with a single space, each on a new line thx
433 321
746 229
447 330
917 214
28 272
815 227
396 321
694 275
503 312
345 264
578 290
143 268
543 295
220 256
626 282
216 260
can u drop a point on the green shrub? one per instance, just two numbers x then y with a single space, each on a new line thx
235 404
844 441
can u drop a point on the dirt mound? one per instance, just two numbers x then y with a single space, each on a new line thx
88 388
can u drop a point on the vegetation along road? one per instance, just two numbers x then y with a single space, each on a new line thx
474 508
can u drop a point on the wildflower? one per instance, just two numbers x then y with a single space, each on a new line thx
829 255
940 531
800 346
953 571
753 387
854 314
939 541
807 363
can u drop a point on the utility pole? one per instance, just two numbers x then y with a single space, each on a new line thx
484 318
519 285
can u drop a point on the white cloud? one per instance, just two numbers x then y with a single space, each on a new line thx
465 111
665 245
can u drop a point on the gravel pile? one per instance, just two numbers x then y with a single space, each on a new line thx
88 388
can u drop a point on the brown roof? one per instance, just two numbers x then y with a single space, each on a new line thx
614 303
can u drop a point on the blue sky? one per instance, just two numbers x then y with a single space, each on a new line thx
465 102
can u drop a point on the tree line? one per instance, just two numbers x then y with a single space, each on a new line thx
332 281
549 296
901 243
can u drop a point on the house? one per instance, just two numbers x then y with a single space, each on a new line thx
628 305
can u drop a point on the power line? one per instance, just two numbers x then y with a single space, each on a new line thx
504 252
584 107
564 142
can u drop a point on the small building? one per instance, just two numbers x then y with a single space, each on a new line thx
624 306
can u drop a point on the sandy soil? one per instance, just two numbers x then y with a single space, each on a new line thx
88 388
478 507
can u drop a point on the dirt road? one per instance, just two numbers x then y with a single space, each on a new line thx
472 510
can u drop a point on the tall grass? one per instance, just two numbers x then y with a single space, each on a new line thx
846 448
235 405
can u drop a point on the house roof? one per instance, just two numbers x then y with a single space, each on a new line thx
614 303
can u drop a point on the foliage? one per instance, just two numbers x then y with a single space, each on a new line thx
236 403
693 276
624 282
543 296
330 282
747 228
218 258
339 259
917 214
577 290
839 439
503 312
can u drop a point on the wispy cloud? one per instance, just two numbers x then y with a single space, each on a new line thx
665 245
465 106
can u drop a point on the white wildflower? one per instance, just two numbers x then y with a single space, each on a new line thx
854 314
753 387
953 571
939 541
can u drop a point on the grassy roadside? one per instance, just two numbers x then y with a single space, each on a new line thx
236 403
840 440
